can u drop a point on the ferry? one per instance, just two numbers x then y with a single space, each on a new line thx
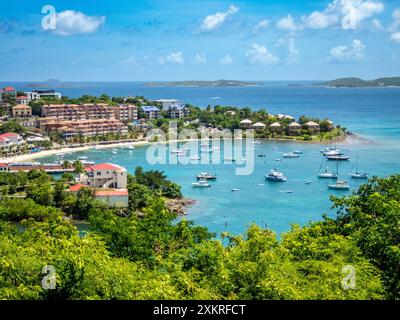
275 176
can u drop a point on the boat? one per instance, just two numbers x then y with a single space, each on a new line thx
87 163
195 157
358 175
326 174
129 147
339 185
114 152
206 176
206 150
335 152
290 155
338 158
229 159
201 184
234 189
298 152
257 142
215 148
262 155
82 158
275 176
308 182
278 159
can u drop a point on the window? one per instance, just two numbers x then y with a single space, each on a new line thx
98 173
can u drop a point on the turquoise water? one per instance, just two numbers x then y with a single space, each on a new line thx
373 114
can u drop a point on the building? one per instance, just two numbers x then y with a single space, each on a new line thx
312 127
246 124
126 113
64 111
9 138
39 94
9 91
83 128
105 175
165 103
21 111
294 128
151 112
22 100
258 126
178 111
276 126
4 167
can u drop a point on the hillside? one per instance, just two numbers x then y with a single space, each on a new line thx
360 83
200 83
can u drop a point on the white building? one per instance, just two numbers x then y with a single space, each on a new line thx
178 111
151 112
9 138
246 123
39 94
105 175
165 103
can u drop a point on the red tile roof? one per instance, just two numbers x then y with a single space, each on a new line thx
8 135
111 193
9 88
77 187
22 98
3 165
104 166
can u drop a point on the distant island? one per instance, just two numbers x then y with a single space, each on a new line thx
202 83
360 83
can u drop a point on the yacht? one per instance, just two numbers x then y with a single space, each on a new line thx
262 155
275 176
338 158
358 175
290 155
339 185
201 184
206 176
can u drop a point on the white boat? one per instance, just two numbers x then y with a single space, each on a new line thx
60 154
206 176
82 158
335 152
338 158
201 184
358 175
326 174
257 142
275 176
114 152
215 148
88 163
339 185
129 147
291 155
195 157
234 189
206 150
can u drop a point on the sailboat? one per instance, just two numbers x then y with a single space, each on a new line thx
358 175
326 174
340 184
207 176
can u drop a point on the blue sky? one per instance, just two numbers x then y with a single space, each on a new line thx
200 39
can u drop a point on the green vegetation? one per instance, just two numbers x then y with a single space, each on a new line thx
196 83
359 83
150 256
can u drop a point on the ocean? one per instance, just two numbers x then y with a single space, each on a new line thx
373 114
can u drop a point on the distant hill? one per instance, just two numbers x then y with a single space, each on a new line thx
360 83
197 83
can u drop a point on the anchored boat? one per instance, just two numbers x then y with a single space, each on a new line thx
201 184
275 176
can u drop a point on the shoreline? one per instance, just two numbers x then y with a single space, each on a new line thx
346 139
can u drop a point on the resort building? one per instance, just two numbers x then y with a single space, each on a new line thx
276 126
39 94
84 128
246 124
294 128
165 103
105 175
21 111
151 112
258 126
64 111
22 100
178 111
126 113
9 91
9 138
312 127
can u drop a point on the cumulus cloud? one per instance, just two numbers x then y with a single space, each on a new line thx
287 23
263 24
354 52
292 51
71 22
395 37
199 58
348 14
173 57
215 20
227 59
259 54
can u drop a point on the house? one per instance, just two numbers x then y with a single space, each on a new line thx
276 126
10 138
21 111
246 124
112 197
294 128
151 112
105 175
10 91
312 127
178 111
22 100
39 94
259 126
4 167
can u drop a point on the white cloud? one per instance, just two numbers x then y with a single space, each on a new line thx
287 23
293 52
395 37
71 22
213 21
354 52
227 59
199 58
173 57
396 20
376 24
263 24
259 54
350 14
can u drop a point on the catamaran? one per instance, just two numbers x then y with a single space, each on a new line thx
275 176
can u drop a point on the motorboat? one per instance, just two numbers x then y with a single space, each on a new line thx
275 176
298 152
82 158
234 189
206 176
195 157
338 158
262 155
339 185
290 155
201 184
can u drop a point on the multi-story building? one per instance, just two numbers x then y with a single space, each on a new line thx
126 113
9 138
22 100
64 111
105 175
178 111
21 111
151 112
165 103
39 94
97 110
10 91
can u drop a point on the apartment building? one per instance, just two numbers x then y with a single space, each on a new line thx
178 111
151 112
105 175
21 111
39 94
126 113
64 111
